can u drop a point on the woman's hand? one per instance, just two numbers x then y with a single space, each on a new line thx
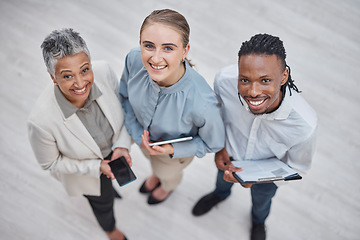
118 152
105 169
155 150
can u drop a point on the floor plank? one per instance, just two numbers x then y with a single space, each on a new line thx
321 39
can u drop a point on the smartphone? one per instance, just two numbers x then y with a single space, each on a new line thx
122 171
170 141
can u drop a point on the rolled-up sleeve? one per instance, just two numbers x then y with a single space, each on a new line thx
300 156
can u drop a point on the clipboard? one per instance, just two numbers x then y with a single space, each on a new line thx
264 171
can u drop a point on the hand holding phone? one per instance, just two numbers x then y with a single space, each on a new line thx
122 171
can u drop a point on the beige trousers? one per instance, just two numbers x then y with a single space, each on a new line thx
168 170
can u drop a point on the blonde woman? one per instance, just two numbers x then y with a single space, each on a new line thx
165 98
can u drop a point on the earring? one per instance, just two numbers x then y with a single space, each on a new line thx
183 60
56 84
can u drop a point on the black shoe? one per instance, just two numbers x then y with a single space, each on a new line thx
144 190
152 200
258 231
205 204
117 195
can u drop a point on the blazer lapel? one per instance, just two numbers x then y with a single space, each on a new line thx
108 106
74 124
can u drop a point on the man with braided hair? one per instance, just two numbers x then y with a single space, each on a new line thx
264 117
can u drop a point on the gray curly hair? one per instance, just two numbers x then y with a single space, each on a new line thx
61 43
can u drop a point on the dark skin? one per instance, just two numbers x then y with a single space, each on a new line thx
260 80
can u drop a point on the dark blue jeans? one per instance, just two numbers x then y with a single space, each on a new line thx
261 195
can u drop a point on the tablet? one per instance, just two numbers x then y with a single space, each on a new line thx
170 141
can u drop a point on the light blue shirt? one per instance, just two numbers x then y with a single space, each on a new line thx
187 108
289 133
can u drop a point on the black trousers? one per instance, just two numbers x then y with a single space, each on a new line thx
103 205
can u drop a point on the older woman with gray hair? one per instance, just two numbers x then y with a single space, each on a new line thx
76 127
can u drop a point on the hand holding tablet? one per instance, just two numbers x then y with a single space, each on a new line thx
170 141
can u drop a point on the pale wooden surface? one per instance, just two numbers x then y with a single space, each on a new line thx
322 43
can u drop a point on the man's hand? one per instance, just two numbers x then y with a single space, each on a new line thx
155 150
223 163
229 177
228 174
222 160
246 185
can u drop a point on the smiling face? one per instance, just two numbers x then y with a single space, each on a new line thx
74 76
260 79
162 53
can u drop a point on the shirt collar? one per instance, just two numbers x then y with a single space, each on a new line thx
67 107
284 110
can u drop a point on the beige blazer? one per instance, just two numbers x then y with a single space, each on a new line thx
65 147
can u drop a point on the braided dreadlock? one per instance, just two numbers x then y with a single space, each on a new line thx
269 45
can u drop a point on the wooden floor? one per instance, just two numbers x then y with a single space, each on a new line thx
322 42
